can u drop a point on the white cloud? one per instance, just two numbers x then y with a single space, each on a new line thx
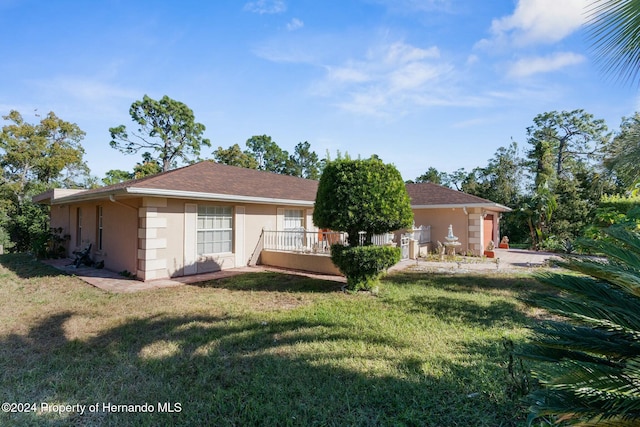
266 6
412 77
537 21
295 24
368 103
528 66
410 6
347 74
87 89
401 53
84 97
387 81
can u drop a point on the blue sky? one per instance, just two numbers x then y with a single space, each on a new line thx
420 83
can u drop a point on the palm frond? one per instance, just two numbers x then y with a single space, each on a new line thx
591 302
586 391
561 337
590 363
614 274
614 29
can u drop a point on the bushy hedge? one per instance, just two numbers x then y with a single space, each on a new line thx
363 265
614 210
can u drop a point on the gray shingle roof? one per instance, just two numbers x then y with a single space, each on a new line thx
212 178
429 194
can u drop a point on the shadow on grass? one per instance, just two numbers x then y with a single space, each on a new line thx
454 309
24 266
273 282
239 371
468 282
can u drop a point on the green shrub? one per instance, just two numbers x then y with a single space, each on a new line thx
362 196
363 265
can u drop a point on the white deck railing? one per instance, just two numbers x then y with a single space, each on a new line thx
313 241
422 234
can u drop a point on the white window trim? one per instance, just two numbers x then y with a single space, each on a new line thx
299 217
231 230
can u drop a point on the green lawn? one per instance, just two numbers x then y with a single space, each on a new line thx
261 349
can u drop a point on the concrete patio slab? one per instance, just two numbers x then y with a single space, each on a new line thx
113 282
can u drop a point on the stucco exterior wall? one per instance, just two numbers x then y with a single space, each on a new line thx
119 231
119 228
304 262
439 220
59 216
468 227
167 234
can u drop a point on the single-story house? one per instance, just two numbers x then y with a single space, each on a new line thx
209 216
475 221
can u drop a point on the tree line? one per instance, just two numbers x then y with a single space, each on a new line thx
554 183
48 154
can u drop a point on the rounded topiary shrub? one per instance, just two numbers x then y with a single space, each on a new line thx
362 196
363 265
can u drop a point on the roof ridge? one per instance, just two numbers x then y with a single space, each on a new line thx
443 189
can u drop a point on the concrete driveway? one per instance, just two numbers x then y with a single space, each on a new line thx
505 260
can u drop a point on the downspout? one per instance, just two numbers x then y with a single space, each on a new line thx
113 200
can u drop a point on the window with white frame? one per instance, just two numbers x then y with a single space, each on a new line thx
293 219
215 229
294 229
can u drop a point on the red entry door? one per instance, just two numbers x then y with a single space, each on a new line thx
487 225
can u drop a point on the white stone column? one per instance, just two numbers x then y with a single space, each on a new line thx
152 263
475 233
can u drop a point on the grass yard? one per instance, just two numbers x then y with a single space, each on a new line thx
260 349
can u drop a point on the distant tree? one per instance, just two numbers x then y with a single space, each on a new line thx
37 154
34 158
622 156
234 156
303 162
268 154
539 207
455 179
573 211
501 181
167 127
573 136
565 155
116 176
149 166
77 176
432 175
